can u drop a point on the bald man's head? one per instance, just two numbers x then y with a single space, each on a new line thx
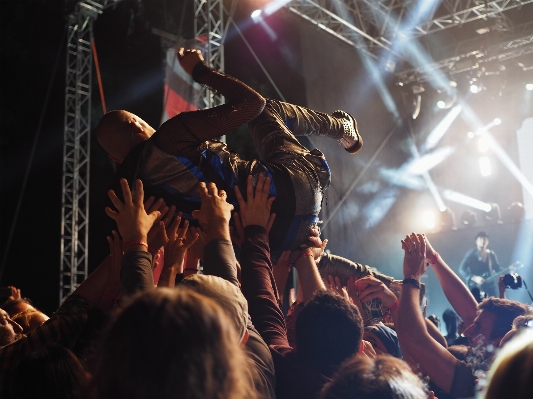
118 132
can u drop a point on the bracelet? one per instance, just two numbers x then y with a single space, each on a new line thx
304 253
414 282
434 259
394 306
134 242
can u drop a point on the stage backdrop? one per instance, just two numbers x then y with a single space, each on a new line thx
377 213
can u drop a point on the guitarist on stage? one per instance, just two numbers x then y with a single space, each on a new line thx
479 264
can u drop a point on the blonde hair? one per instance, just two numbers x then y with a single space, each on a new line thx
510 374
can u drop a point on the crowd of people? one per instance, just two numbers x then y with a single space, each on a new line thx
186 306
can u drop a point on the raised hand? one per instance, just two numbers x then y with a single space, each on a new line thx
15 293
215 212
430 252
237 231
177 245
414 261
256 209
316 244
189 58
196 250
334 284
157 235
370 288
367 350
132 220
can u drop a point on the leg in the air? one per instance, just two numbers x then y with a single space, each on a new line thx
280 122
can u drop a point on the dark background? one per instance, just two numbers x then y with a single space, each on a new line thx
310 68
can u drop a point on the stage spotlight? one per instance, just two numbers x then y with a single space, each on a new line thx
484 166
474 88
447 220
494 215
529 86
441 104
470 135
256 15
430 219
497 121
459 198
468 218
516 212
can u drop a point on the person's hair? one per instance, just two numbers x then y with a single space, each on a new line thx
384 377
26 319
523 322
171 344
51 372
505 311
458 351
11 306
450 319
510 374
329 330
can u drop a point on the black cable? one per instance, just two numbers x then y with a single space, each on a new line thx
32 154
529 293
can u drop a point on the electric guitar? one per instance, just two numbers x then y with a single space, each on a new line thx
489 278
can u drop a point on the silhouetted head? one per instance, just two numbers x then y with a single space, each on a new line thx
494 319
10 330
168 344
384 377
510 374
329 329
51 372
30 319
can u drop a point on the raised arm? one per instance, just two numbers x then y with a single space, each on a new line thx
455 290
434 359
258 284
243 104
175 249
133 224
214 215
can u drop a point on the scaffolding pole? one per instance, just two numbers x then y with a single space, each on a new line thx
209 29
77 145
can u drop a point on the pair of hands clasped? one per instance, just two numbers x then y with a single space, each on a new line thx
418 252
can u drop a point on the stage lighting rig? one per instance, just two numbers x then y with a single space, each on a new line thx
468 218
516 212
493 216
447 220
447 96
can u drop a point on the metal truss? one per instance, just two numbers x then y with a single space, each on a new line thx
76 146
372 25
469 61
209 29
462 12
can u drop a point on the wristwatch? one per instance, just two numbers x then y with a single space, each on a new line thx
412 281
